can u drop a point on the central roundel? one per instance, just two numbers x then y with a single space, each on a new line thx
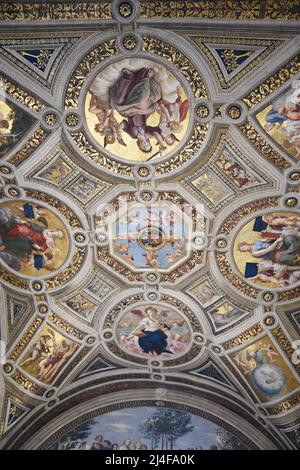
137 110
151 238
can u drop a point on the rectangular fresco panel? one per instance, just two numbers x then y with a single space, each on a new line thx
265 370
48 354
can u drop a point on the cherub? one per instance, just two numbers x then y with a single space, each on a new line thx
123 247
151 260
177 248
133 218
246 363
101 113
171 257
174 113
177 330
124 330
279 221
107 126
270 351
275 279
129 256
112 130
165 125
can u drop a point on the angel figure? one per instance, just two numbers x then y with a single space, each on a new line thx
270 351
171 115
124 331
107 126
151 260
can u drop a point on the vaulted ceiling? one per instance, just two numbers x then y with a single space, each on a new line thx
114 117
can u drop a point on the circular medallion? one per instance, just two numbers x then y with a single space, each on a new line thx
72 120
137 110
234 112
34 241
202 111
295 176
143 172
50 119
125 9
291 202
221 243
5 170
267 250
153 330
269 321
151 238
129 42
14 192
155 237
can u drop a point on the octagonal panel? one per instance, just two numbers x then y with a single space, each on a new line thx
150 237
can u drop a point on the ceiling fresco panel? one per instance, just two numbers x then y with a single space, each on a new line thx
149 225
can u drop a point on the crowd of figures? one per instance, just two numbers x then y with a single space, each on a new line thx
100 443
274 251
148 428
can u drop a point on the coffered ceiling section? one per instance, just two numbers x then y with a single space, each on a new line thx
150 222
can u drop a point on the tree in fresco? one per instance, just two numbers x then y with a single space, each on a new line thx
165 426
75 437
227 441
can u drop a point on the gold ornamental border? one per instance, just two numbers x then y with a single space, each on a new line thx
78 258
222 259
152 46
153 9
202 42
13 11
122 306
220 10
272 83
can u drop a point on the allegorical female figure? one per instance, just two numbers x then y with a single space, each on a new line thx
150 331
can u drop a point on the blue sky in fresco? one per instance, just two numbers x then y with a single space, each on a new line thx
123 424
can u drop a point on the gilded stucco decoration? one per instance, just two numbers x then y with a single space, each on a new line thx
149 224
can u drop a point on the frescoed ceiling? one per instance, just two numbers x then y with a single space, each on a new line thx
149 215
